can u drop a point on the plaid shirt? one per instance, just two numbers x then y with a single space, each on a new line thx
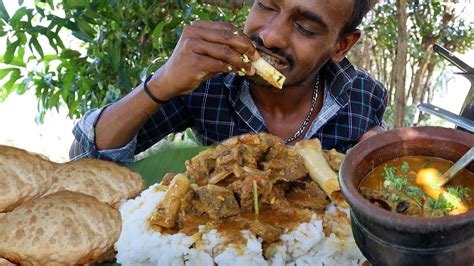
222 107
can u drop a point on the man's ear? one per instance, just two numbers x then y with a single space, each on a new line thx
343 45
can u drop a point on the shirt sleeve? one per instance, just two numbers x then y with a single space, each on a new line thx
84 144
380 106
172 117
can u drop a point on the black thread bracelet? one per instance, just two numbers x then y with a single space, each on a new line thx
148 92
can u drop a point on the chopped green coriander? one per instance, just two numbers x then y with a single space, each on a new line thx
414 191
405 167
396 181
461 193
394 197
441 205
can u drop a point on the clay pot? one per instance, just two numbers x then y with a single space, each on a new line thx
387 238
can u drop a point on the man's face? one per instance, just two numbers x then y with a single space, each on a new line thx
297 36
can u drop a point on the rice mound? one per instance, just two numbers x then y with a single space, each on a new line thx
306 245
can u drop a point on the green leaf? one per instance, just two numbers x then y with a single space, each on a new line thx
85 28
115 55
37 45
23 86
414 191
14 62
9 85
49 57
72 4
59 42
40 10
10 52
19 14
405 167
68 80
154 167
69 54
3 12
21 53
4 72
459 192
156 35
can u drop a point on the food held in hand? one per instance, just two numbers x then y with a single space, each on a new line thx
267 72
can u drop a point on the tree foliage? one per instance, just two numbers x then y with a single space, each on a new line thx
428 23
120 43
117 43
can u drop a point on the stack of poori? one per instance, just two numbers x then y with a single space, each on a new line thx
54 213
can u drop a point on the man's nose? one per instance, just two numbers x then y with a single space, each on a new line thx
275 34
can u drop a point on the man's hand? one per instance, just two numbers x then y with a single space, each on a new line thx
204 49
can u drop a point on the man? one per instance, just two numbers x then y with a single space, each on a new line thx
323 97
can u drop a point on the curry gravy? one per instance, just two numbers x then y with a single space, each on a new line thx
231 228
375 179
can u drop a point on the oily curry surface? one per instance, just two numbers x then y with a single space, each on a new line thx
408 185
251 182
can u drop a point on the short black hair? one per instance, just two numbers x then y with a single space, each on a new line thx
359 10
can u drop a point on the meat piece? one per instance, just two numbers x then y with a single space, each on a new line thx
200 166
308 196
186 201
218 202
230 156
244 190
334 159
167 210
218 177
284 163
166 181
265 231
319 170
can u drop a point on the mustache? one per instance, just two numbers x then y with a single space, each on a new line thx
259 43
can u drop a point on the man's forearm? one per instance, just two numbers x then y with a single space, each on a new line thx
121 121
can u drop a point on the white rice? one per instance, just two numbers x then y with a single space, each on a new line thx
306 245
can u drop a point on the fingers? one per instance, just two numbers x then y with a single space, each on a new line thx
223 53
227 34
211 66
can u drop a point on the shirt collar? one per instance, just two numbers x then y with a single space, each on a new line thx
339 78
247 111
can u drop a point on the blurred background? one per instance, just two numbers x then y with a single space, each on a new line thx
59 58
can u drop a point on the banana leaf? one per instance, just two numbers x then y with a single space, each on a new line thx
168 158
153 167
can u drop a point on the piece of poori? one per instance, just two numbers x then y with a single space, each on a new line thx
108 182
63 228
4 262
23 176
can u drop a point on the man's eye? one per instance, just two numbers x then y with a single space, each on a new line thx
306 32
264 7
